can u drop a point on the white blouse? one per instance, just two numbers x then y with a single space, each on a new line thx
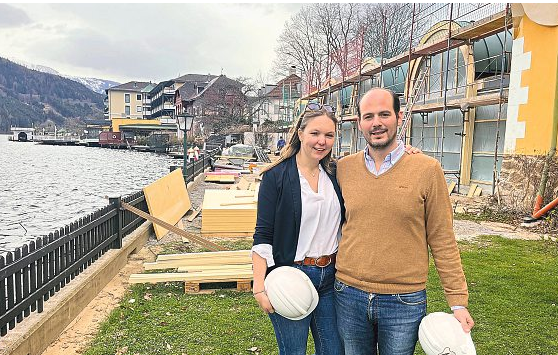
320 228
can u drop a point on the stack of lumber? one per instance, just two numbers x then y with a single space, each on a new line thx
229 213
200 268
221 178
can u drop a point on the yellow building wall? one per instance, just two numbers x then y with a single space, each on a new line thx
117 105
540 79
117 122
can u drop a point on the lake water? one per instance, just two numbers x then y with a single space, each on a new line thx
44 187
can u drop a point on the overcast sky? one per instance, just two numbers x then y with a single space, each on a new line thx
144 42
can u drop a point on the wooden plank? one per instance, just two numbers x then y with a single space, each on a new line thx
232 275
478 191
451 186
472 189
173 264
198 268
194 214
220 178
242 184
205 255
227 234
168 200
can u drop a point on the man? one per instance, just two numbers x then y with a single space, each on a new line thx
281 143
397 206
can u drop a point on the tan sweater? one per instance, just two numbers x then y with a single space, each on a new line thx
391 220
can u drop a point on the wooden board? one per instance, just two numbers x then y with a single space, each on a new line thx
451 186
198 268
228 212
478 191
167 200
209 255
242 184
202 276
194 214
177 263
227 234
220 178
472 189
228 172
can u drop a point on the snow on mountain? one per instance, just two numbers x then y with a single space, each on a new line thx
94 84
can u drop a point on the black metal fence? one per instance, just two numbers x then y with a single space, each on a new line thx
34 272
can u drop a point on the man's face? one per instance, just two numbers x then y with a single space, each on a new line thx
377 122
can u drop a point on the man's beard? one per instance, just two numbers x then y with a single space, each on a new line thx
381 145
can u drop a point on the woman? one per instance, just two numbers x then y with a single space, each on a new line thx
300 211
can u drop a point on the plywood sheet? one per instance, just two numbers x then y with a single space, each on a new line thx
168 200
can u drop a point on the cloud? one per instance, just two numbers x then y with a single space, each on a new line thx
145 42
12 17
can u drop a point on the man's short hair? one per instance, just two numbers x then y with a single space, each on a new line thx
394 96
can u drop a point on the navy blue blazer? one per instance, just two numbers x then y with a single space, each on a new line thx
280 210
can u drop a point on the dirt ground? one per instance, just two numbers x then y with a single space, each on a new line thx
83 329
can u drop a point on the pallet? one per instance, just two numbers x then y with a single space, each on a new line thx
196 287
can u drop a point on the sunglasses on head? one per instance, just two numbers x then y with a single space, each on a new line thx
312 106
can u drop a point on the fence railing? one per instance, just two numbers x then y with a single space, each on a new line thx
34 272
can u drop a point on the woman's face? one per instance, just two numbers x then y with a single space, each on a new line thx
317 138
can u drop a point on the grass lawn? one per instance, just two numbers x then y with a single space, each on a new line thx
513 298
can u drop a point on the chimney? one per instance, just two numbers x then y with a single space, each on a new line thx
292 69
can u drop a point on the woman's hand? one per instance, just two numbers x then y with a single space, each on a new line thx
263 302
409 149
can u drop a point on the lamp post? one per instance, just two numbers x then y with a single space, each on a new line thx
185 122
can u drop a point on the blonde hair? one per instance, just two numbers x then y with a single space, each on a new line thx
293 146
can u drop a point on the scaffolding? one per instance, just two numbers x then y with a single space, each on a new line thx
447 88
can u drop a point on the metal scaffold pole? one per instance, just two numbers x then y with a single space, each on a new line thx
504 63
446 87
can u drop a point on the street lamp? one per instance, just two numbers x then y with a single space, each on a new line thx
185 122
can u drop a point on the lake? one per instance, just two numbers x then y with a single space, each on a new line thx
43 187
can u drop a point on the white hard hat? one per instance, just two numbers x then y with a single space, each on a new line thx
441 334
291 292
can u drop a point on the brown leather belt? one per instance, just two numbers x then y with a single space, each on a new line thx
321 261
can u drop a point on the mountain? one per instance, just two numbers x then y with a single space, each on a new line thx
94 84
31 97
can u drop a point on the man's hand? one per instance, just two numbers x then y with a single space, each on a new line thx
412 150
263 302
464 318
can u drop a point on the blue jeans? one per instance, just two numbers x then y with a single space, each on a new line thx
292 335
371 323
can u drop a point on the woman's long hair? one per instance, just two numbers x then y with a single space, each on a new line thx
293 146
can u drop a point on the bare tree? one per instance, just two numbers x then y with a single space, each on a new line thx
320 38
387 29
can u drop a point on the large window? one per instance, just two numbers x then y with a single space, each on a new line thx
484 142
127 98
127 110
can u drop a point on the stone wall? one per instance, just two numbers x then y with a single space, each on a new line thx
520 177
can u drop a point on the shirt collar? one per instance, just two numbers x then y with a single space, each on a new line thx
392 157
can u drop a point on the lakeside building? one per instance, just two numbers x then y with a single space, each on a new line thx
128 104
209 101
278 100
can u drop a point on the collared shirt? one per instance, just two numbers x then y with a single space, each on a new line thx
388 162
319 224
